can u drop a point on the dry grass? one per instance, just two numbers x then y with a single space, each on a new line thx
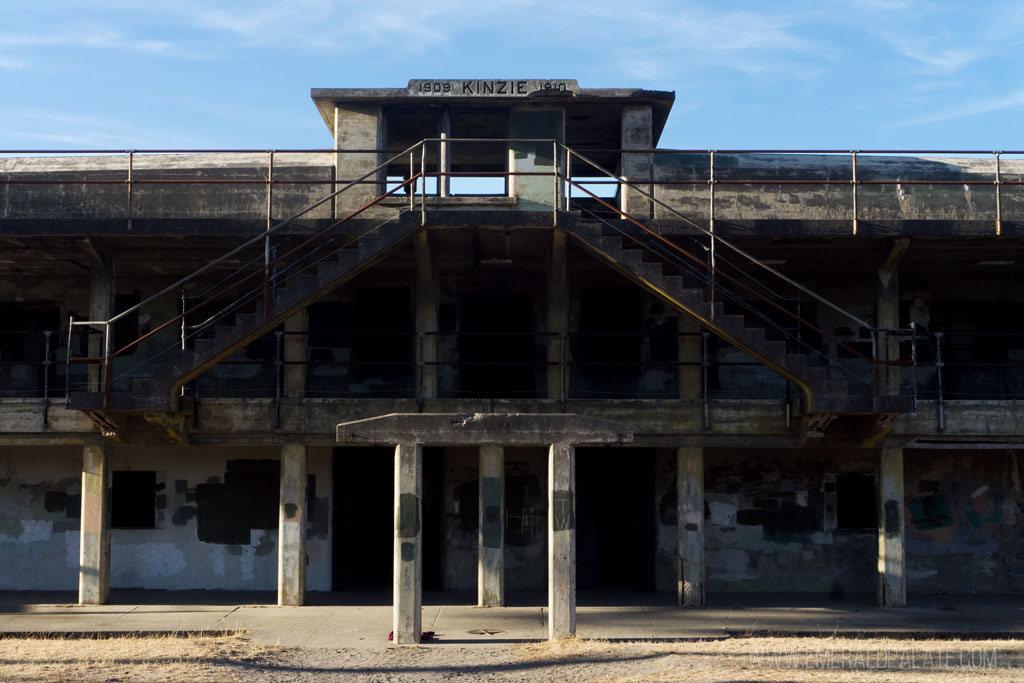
170 658
794 659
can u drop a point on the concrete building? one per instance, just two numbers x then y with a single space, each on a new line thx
494 339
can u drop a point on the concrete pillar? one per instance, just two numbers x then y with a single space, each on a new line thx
535 193
558 317
296 345
561 541
892 582
94 543
101 307
690 521
291 536
426 314
491 529
637 133
691 350
357 127
887 314
408 576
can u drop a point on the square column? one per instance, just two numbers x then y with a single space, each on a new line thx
408 576
637 134
94 544
690 520
561 541
291 536
558 317
490 581
892 582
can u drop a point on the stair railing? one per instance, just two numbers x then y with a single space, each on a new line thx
714 272
224 286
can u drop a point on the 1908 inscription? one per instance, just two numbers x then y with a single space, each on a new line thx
484 87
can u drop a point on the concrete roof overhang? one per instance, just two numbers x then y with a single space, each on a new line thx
574 97
510 429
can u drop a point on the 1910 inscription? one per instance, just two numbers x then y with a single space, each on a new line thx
490 88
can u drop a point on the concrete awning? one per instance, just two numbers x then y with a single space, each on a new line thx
512 429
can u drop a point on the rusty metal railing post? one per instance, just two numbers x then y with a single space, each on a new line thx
270 187
711 239
67 364
938 376
562 358
107 368
278 371
47 363
999 203
423 183
568 175
705 366
913 361
554 182
853 185
130 183
410 189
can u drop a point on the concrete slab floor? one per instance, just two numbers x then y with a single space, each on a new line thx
338 620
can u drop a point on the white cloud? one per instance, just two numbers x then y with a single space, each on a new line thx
11 64
973 108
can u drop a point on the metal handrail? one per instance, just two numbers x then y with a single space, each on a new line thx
751 258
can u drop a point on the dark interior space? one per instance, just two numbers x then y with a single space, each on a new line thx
607 352
496 346
133 499
615 518
22 340
364 484
855 502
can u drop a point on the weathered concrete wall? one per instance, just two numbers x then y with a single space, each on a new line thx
765 524
300 179
210 529
683 187
964 512
40 507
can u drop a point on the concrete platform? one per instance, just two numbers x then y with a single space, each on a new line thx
356 619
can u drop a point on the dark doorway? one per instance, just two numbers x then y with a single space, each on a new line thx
615 518
364 485
496 346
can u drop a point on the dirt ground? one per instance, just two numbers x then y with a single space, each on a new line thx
231 658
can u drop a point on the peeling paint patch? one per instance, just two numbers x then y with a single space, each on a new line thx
146 560
722 514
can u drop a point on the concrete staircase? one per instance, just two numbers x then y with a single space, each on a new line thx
293 292
689 293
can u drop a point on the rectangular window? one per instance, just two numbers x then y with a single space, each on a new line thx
133 500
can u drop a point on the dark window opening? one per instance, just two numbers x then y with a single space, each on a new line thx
23 346
608 349
496 346
133 500
855 502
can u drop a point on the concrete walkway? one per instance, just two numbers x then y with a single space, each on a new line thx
336 620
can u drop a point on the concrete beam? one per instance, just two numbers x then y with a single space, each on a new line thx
892 583
690 525
561 541
94 544
482 428
408 576
491 528
426 313
291 535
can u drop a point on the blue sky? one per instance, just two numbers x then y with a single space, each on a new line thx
848 74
